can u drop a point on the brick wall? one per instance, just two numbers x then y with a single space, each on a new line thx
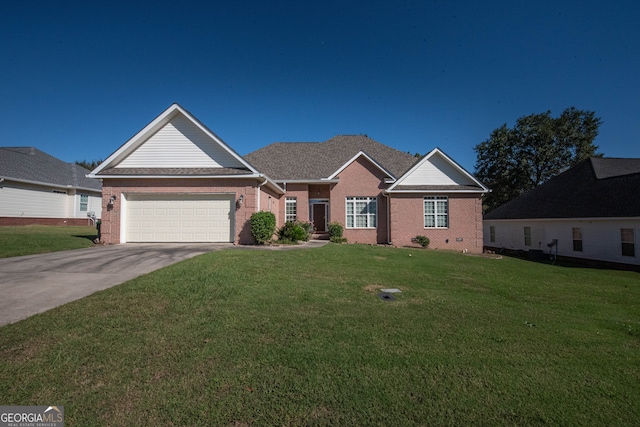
110 228
301 193
360 178
45 221
465 222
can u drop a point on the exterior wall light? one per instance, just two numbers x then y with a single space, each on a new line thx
110 203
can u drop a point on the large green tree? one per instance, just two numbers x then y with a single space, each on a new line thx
537 148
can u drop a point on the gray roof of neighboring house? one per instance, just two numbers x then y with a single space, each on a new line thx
33 165
594 188
287 161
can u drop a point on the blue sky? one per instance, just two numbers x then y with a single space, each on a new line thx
78 79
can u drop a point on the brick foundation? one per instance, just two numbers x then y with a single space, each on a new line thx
45 221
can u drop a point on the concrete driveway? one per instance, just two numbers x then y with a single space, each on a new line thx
36 283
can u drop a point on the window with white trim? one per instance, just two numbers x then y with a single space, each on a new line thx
436 212
290 209
627 238
84 202
527 236
362 212
577 239
492 233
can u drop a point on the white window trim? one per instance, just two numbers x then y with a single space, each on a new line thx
86 204
290 201
354 199
435 211
527 235
631 242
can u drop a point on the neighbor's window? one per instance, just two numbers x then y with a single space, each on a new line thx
577 239
436 212
492 233
361 212
627 238
527 236
290 209
84 202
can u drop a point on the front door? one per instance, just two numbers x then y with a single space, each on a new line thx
320 217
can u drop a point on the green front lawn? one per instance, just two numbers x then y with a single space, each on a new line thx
248 337
37 239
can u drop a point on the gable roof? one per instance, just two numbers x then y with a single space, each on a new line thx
356 157
594 188
174 144
437 172
30 165
312 161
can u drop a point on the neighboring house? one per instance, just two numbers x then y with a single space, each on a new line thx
591 211
177 181
36 188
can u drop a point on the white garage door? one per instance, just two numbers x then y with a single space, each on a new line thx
179 218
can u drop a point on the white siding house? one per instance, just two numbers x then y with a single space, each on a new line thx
36 188
591 213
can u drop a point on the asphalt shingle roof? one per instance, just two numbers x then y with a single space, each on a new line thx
283 161
31 164
174 171
594 188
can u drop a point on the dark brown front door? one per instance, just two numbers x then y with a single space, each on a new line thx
320 217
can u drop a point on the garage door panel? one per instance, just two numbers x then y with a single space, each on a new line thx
179 218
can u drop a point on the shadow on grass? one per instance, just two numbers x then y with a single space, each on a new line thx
566 262
91 237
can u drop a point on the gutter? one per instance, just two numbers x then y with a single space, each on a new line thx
311 181
49 184
437 191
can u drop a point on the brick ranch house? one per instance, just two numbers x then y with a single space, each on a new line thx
176 181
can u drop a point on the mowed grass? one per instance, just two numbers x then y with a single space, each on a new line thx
37 239
253 338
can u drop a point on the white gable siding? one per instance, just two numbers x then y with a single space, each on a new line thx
180 144
31 201
436 171
600 237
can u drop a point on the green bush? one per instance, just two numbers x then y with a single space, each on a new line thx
263 226
308 229
422 241
335 232
293 232
290 233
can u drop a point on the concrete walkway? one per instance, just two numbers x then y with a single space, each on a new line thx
36 283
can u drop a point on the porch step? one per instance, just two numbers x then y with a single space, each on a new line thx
320 236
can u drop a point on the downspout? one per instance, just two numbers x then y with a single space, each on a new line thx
258 188
386 195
